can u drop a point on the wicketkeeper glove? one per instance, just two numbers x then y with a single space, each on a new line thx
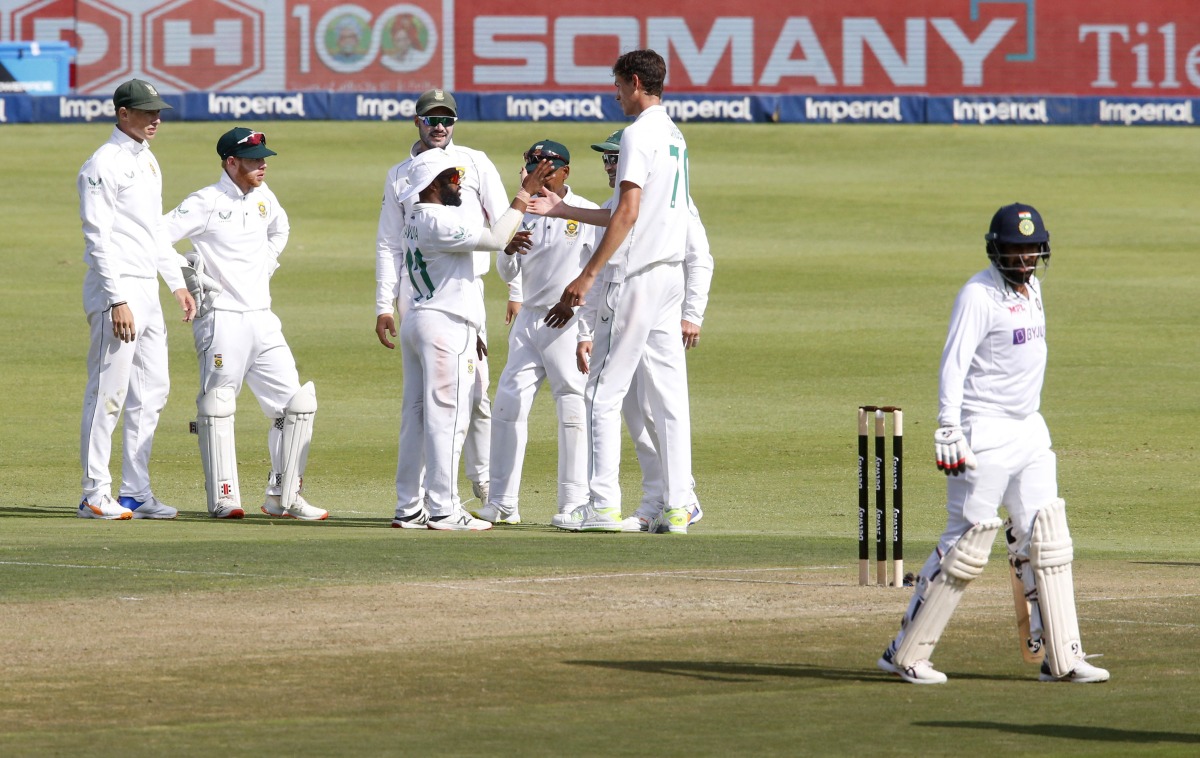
203 287
954 455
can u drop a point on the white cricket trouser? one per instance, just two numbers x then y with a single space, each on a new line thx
640 421
1017 470
637 329
439 357
232 347
476 447
129 376
537 352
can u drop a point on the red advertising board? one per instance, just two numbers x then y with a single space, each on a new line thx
843 46
1065 47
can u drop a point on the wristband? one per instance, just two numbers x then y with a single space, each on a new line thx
524 196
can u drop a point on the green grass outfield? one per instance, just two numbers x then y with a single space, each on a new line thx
839 251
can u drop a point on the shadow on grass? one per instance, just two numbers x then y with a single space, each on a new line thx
1185 564
1067 731
725 671
253 518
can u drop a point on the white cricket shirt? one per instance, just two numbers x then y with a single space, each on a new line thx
120 205
560 249
654 157
239 237
484 200
994 361
438 257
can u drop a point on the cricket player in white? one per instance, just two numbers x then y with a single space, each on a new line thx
994 445
125 249
484 200
698 268
638 326
537 352
239 230
439 337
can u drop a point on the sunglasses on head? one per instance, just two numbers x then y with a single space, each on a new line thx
453 178
610 159
446 121
254 139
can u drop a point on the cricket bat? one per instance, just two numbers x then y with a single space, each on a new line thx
1030 652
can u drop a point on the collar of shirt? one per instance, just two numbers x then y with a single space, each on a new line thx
125 142
228 186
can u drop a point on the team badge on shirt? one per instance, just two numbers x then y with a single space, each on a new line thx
262 209
218 361
572 229
470 366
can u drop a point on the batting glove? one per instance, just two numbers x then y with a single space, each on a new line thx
953 453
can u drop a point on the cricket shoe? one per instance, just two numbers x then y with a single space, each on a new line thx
1082 673
670 521
458 521
695 513
301 509
606 519
572 520
416 520
495 514
918 672
103 507
151 507
227 509
635 523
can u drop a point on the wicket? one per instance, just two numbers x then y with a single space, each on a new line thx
864 554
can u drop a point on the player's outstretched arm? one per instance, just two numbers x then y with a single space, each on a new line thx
552 206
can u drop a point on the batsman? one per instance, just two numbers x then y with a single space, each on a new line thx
994 447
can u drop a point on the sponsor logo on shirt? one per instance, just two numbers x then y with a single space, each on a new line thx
1028 334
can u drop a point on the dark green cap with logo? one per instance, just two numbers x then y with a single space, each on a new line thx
436 98
139 94
241 142
547 149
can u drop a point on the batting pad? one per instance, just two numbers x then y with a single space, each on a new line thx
961 565
1051 553
218 456
297 434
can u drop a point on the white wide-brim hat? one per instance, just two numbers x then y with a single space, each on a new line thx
426 167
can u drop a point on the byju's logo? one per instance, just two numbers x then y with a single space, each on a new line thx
1028 334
